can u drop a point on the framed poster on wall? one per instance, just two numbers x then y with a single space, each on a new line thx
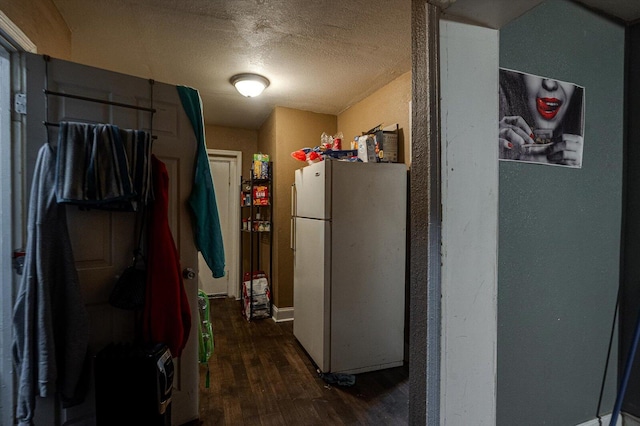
541 120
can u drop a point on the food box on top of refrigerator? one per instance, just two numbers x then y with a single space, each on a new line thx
379 145
366 149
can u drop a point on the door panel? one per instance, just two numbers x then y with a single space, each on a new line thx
311 289
313 195
103 241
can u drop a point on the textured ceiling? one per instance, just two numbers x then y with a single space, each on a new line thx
320 55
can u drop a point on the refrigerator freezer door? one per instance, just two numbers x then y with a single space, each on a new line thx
311 291
313 196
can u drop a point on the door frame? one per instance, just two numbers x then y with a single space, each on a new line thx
235 160
12 205
8 286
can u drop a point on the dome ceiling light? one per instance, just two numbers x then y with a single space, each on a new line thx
249 85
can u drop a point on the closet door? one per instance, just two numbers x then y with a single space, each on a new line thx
103 241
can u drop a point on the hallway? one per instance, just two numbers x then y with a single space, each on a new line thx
260 375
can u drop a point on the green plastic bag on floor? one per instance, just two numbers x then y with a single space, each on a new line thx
205 332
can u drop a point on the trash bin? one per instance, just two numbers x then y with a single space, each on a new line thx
133 385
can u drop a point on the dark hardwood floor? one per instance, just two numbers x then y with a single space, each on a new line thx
260 375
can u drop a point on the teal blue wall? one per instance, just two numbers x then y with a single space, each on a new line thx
560 229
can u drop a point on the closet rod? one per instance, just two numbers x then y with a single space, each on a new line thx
50 124
84 98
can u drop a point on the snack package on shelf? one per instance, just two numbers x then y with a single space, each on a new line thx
261 195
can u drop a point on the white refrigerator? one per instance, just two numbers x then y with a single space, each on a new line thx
349 242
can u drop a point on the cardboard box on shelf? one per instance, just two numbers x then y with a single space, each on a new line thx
261 166
387 146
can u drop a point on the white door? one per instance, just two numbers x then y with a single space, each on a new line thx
102 241
311 288
225 166
221 175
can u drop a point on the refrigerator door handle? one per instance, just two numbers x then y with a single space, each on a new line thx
294 212
294 207
293 234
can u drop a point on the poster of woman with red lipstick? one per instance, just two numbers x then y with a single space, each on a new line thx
541 120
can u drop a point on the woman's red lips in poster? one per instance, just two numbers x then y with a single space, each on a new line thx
548 107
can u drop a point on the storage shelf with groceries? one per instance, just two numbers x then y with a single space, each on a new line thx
256 205
256 194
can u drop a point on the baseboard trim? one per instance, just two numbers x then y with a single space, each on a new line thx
282 314
605 421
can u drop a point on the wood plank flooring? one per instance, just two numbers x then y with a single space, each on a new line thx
260 375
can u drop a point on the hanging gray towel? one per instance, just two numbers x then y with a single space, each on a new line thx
102 166
91 165
137 144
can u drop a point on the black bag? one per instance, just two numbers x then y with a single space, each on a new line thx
129 291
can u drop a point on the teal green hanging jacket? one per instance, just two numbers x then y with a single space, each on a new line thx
208 235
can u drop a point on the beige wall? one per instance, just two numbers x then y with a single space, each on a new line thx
41 22
389 105
267 137
233 139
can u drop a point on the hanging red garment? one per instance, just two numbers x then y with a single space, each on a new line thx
167 316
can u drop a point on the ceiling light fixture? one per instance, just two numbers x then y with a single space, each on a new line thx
249 85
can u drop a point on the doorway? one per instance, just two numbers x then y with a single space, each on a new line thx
12 80
225 171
